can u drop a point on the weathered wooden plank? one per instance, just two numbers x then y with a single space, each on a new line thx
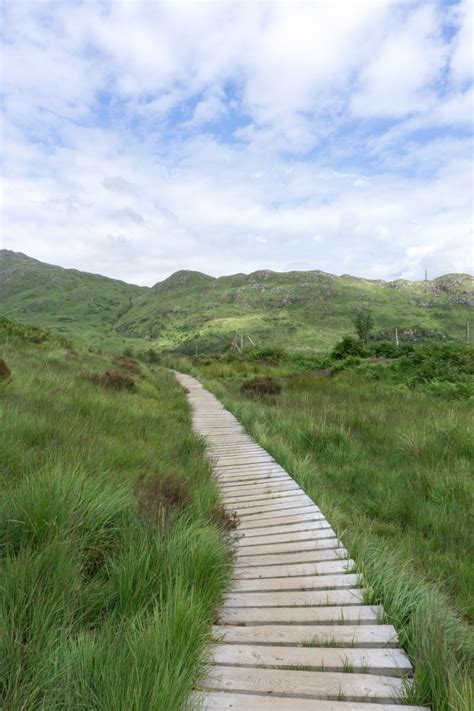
316 685
392 662
350 596
304 514
338 614
287 527
251 512
267 492
296 532
292 547
259 478
286 571
312 556
255 478
308 582
366 636
222 700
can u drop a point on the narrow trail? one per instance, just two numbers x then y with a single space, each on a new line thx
294 632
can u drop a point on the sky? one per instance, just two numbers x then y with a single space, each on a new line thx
139 138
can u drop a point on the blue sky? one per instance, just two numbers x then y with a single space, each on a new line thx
139 138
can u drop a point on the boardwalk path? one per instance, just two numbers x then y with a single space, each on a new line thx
294 631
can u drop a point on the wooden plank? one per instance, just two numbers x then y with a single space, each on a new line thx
305 514
269 499
308 582
245 473
366 636
270 491
286 571
248 543
255 479
229 460
339 615
287 527
239 472
252 513
291 547
312 556
316 685
351 596
222 700
259 480
392 662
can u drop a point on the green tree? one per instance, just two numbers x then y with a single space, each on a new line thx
364 323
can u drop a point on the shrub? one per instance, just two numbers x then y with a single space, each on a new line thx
128 363
223 519
4 370
363 324
261 386
268 354
113 379
439 362
349 346
157 495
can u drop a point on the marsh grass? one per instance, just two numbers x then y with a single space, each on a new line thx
105 605
392 470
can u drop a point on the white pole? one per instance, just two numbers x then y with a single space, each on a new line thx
397 342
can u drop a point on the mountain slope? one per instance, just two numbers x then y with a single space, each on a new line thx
71 302
296 310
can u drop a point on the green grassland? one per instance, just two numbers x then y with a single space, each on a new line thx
112 558
388 456
301 311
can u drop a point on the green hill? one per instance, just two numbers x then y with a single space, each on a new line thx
294 310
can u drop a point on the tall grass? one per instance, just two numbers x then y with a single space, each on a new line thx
392 470
103 603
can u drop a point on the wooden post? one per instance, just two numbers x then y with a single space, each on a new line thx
397 342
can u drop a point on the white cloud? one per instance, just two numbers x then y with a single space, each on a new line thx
144 137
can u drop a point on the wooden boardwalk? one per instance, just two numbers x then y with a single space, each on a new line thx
294 631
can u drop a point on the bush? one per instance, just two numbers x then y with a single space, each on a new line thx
158 495
223 519
268 354
113 379
349 346
261 386
4 370
449 362
128 363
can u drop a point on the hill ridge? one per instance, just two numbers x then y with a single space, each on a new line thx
191 310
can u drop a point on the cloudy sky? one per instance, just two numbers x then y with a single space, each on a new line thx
144 137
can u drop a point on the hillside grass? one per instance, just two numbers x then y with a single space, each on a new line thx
189 311
391 468
111 564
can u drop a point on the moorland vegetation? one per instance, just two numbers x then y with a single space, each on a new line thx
113 550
